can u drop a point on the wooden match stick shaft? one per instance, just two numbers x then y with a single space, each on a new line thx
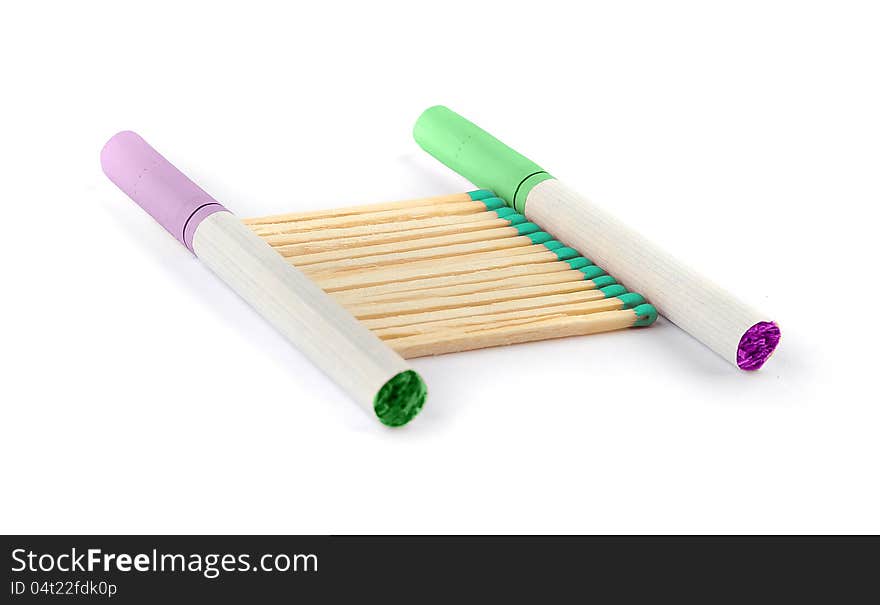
437 303
303 255
360 209
368 235
381 216
308 263
363 295
331 282
477 276
571 309
432 267
434 257
487 309
543 329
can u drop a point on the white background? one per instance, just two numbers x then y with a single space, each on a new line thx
139 394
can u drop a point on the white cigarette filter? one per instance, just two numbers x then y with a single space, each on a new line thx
736 331
371 373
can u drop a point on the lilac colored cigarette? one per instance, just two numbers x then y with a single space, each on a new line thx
157 186
353 357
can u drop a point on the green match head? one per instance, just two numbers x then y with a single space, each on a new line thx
646 315
527 229
493 203
613 291
593 272
480 194
566 253
541 237
631 300
579 262
604 280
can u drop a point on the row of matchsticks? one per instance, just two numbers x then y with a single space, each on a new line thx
451 273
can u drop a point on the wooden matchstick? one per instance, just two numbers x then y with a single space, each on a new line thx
526 244
331 282
310 263
384 233
487 309
365 208
465 286
570 310
476 276
305 254
383 216
389 309
464 339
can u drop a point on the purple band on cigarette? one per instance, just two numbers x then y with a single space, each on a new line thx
757 344
157 186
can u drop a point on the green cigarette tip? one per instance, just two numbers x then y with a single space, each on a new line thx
400 399
516 218
476 155
505 212
480 194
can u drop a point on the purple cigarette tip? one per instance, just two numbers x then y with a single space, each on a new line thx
157 186
757 344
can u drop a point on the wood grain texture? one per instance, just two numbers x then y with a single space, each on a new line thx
450 286
303 254
284 233
369 235
456 340
487 309
569 309
341 280
358 209
454 252
372 310
374 217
